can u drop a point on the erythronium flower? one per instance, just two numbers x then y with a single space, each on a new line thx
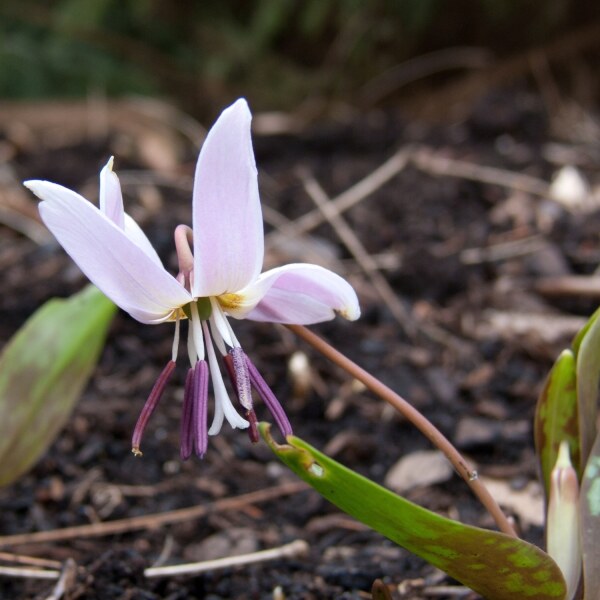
219 277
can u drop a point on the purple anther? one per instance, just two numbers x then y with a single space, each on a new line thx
151 404
200 396
242 377
268 397
187 420
253 427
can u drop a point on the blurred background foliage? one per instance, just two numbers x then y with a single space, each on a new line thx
200 53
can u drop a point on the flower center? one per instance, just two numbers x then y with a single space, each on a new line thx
204 307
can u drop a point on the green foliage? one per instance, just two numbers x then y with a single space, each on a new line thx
588 377
276 51
590 520
497 566
556 416
43 370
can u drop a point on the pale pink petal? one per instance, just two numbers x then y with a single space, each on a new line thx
298 294
138 237
111 198
227 219
112 261
111 204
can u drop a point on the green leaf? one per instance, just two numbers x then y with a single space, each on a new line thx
556 416
493 564
43 370
587 349
590 521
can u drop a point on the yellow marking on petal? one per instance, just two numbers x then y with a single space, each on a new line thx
230 301
178 313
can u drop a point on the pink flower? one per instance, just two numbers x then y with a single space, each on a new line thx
219 276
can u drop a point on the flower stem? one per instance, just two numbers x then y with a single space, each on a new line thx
435 436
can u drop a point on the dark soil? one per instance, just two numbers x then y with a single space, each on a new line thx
477 382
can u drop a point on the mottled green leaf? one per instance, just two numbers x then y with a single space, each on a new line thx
493 564
590 522
587 348
576 344
43 370
556 416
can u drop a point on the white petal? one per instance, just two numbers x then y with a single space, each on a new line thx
228 228
111 198
299 294
134 232
110 259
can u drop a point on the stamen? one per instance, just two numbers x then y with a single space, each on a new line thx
242 377
253 429
235 356
197 330
191 348
187 420
223 405
200 407
175 339
268 397
151 403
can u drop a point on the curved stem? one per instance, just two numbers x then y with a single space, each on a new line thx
435 436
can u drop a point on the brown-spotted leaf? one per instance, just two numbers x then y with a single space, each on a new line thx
556 416
43 370
587 352
493 564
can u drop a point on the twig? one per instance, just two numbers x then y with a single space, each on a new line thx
33 561
358 192
354 245
435 164
293 549
66 580
29 573
435 436
154 520
569 285
503 250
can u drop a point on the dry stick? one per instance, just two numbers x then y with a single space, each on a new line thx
435 164
434 435
358 192
154 520
33 561
29 573
293 549
66 580
351 241
331 212
569 285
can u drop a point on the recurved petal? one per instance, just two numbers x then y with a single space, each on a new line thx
298 294
227 219
111 198
134 232
107 256
111 204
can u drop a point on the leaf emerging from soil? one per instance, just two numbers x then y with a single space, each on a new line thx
493 564
556 417
590 520
43 370
587 351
